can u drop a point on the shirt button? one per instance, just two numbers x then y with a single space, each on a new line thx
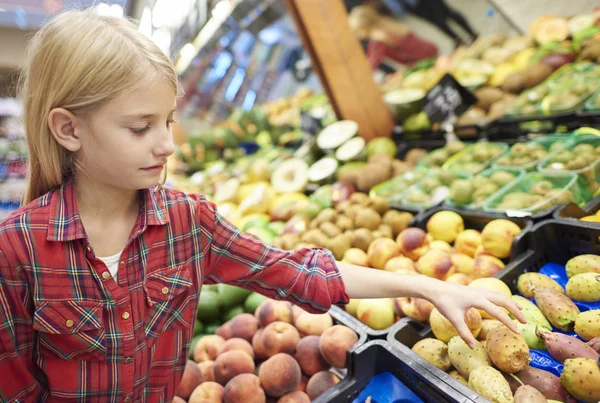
89 249
165 290
69 323
122 263
127 399
106 275
128 360
125 315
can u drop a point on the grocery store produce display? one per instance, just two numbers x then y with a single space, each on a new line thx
261 348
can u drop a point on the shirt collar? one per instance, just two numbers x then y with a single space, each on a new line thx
64 223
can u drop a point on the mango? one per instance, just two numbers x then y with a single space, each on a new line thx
507 350
528 281
560 311
584 287
490 384
466 360
587 324
583 264
497 237
581 378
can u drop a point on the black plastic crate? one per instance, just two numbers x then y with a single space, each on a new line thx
372 334
573 212
377 357
340 317
477 220
554 241
405 334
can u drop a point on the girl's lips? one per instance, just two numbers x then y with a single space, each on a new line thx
154 168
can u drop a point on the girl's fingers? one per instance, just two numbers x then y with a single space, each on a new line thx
463 331
508 303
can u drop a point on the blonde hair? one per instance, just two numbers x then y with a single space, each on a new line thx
79 61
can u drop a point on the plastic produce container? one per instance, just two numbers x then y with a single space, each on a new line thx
546 142
460 162
590 173
487 174
566 182
593 103
572 212
394 187
434 158
395 377
430 198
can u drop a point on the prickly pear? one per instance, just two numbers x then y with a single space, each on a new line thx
528 331
487 326
434 351
490 383
583 264
456 375
514 382
581 377
507 350
587 324
557 308
531 312
528 281
529 394
545 382
595 344
562 347
464 359
584 287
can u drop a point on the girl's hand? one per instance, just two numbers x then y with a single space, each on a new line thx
453 301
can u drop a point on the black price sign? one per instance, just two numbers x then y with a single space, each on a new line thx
447 98
310 124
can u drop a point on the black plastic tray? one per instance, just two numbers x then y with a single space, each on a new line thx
377 357
554 241
478 219
573 212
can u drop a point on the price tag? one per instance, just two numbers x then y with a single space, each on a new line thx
448 98
309 124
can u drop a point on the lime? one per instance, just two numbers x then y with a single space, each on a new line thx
211 327
198 328
231 296
253 301
233 312
209 307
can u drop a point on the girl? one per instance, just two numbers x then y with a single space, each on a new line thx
101 271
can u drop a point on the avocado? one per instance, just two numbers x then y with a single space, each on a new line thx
209 307
253 301
231 296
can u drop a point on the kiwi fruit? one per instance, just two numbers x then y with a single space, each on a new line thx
379 204
352 211
413 156
330 229
359 198
536 74
315 237
541 188
289 241
515 83
487 96
344 223
339 245
454 147
327 215
362 239
397 221
341 207
367 218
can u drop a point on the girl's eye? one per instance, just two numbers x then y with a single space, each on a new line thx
139 130
171 121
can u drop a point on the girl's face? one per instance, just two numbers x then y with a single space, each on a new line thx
126 142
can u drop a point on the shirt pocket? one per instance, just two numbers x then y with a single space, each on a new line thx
70 330
171 301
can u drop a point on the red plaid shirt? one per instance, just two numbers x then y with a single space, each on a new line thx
70 333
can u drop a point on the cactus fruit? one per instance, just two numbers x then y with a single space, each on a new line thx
528 281
529 394
490 384
531 312
434 351
595 344
545 382
583 264
584 287
464 359
529 333
507 350
557 308
562 347
487 326
456 375
587 324
581 377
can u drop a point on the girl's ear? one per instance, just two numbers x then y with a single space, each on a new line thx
64 126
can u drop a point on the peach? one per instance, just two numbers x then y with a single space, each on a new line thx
445 226
208 370
413 242
493 284
399 305
280 374
335 343
464 264
177 399
207 392
309 355
294 397
224 331
417 309
441 245
356 257
232 363
376 313
303 382
319 383
296 311
459 278
444 330
467 242
497 237
192 377
486 266
207 348
400 263
244 388
259 350
237 344
279 337
243 326
274 311
481 251
313 324
381 250
436 263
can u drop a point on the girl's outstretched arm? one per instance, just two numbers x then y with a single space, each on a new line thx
452 300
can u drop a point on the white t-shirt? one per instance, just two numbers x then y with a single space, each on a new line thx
112 263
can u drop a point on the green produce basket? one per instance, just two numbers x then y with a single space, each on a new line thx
435 197
590 173
460 162
566 182
545 141
391 188
428 160
593 103
518 172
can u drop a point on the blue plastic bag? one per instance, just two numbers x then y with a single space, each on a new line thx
386 388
